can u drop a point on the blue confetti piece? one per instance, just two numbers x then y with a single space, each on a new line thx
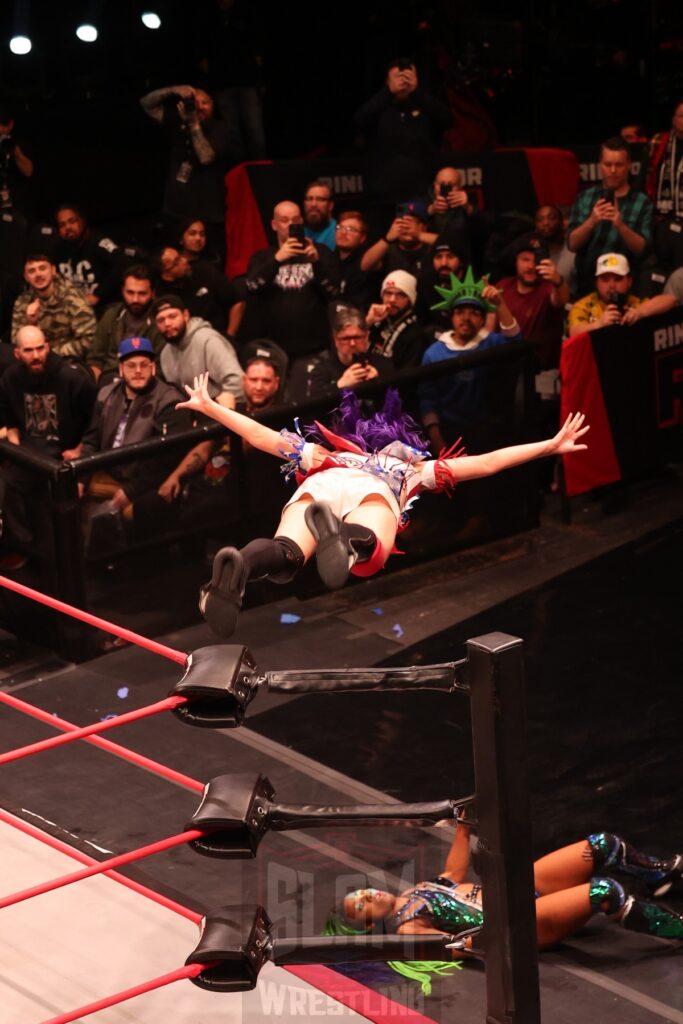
397 630
122 693
378 611
105 718
288 619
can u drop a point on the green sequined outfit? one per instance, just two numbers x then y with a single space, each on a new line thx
438 908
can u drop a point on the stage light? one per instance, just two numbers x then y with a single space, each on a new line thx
150 19
20 45
86 33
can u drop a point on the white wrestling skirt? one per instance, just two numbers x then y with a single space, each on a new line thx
345 489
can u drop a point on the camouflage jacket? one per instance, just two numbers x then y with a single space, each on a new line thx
66 319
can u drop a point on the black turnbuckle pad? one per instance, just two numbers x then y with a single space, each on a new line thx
233 815
236 811
237 941
219 682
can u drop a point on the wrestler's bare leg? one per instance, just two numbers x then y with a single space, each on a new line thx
561 913
293 525
564 868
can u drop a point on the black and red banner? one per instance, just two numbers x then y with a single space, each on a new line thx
629 383
502 180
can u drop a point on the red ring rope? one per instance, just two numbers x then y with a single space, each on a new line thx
93 620
190 971
113 748
167 704
101 867
56 844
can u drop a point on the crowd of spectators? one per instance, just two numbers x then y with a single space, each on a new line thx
99 337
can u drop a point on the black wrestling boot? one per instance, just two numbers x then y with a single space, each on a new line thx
340 545
652 919
220 600
658 874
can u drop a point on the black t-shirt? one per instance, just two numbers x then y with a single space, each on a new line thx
51 409
410 260
359 288
92 264
288 302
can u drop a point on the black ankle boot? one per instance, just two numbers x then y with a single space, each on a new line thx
340 545
220 600
652 919
657 873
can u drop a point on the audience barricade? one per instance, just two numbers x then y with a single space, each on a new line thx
629 383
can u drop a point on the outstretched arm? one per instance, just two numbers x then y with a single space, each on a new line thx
458 859
470 467
257 434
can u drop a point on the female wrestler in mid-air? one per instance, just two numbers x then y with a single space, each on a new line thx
353 496
572 884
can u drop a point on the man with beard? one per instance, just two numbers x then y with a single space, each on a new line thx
86 258
136 407
206 291
193 348
318 220
53 304
208 478
45 404
132 317
446 259
394 329
612 217
536 297
453 406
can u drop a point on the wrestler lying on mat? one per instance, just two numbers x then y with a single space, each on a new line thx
592 876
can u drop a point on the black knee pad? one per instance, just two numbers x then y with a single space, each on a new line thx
294 560
278 559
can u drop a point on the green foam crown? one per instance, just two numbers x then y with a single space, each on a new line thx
465 289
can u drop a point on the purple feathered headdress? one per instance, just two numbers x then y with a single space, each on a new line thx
380 429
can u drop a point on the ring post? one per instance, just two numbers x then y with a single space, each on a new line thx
505 858
70 568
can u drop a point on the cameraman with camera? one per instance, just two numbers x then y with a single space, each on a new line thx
199 157
612 303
